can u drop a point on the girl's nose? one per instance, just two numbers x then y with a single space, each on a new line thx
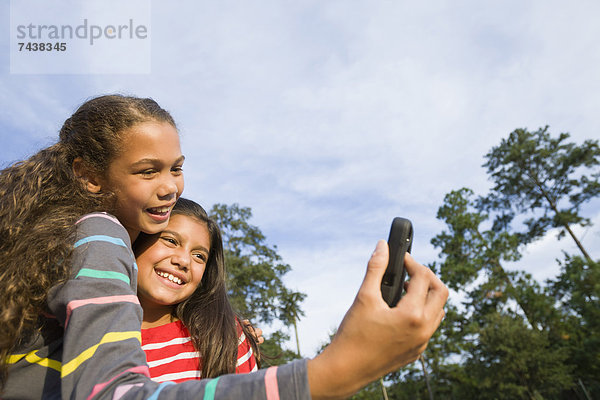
168 187
181 259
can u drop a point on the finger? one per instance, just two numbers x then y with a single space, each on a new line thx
417 290
436 321
437 292
376 267
437 295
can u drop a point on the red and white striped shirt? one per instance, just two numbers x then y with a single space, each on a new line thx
172 357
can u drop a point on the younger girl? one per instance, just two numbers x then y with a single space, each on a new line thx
181 287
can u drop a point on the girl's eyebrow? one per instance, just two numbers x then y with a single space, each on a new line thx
177 236
179 160
204 249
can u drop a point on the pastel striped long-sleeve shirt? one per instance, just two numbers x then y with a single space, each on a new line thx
89 348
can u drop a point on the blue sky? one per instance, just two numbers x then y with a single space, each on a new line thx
329 118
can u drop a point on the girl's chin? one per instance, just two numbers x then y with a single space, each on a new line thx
159 303
155 228
164 303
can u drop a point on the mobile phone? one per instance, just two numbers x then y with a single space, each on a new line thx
399 242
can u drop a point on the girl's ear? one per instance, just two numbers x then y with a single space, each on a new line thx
84 174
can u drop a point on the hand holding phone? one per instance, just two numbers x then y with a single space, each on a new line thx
399 242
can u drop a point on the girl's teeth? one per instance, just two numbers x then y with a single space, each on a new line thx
170 277
160 210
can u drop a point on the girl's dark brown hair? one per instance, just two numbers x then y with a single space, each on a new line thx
207 313
40 201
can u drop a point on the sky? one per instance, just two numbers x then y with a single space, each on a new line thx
329 118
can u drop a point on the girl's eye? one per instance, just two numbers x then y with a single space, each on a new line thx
177 170
169 240
200 256
147 173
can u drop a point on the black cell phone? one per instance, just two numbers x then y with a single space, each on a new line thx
399 242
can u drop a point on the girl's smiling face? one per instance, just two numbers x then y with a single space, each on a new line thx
146 177
171 265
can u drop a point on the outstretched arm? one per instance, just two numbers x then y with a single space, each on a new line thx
374 339
102 357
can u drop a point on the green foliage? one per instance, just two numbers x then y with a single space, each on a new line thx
545 179
577 291
470 252
513 338
273 352
372 391
467 248
512 361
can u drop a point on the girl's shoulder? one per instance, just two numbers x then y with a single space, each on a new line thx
102 225
101 218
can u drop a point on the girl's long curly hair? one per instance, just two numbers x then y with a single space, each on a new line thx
40 201
207 313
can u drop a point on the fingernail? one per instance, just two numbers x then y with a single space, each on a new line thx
377 247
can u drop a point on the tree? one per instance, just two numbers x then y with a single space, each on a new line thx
545 178
273 351
255 273
512 361
514 338
577 292
470 252
473 251
290 312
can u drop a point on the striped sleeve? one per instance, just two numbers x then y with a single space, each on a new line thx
99 310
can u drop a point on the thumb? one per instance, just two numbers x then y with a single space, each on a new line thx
376 267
